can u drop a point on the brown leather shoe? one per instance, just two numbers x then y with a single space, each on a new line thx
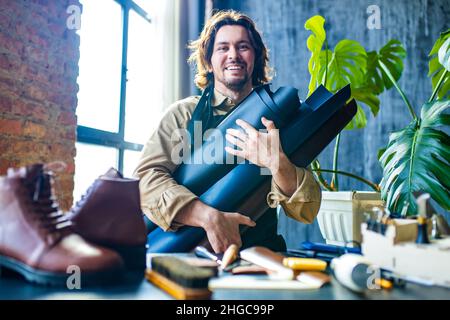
110 214
36 239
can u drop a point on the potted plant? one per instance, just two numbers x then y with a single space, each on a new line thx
417 157
342 211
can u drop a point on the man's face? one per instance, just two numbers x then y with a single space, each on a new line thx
233 58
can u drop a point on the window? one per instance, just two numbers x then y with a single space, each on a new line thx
117 105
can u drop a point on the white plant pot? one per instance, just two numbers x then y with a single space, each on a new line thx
341 214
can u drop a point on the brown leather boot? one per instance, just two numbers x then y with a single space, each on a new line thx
36 238
110 214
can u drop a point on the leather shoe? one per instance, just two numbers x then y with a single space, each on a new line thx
110 214
37 240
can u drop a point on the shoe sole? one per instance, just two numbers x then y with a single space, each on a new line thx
59 279
134 257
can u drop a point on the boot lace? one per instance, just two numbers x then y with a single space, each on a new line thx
44 201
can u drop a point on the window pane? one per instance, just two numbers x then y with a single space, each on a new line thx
100 65
142 106
130 161
91 162
146 5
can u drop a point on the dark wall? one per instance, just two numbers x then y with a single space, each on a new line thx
416 24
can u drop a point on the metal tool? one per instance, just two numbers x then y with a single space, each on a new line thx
225 262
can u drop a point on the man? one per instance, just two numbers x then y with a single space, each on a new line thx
231 60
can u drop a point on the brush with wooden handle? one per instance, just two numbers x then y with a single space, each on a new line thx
180 279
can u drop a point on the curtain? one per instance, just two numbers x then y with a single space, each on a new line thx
176 23
169 49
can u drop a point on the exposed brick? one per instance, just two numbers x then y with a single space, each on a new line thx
70 134
4 61
63 100
5 104
39 55
7 82
32 110
38 20
34 130
6 145
35 73
59 151
10 126
30 147
5 164
12 8
40 2
5 19
10 45
67 118
70 167
35 92
38 86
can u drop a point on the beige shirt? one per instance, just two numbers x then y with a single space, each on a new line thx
162 197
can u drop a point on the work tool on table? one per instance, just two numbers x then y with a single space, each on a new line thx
225 261
180 279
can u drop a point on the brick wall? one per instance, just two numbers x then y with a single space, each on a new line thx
38 89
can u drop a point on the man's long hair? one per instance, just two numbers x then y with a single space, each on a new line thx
202 48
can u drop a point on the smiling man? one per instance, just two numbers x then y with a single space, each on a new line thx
231 59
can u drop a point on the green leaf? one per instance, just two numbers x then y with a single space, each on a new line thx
368 97
392 55
436 68
359 120
444 55
417 158
346 64
380 152
437 45
314 43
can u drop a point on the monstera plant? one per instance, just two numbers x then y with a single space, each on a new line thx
350 63
417 158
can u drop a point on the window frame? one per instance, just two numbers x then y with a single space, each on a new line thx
116 140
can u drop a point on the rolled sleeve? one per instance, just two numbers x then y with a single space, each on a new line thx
304 203
162 197
164 209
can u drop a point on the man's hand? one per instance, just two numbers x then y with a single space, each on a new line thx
261 148
264 149
222 228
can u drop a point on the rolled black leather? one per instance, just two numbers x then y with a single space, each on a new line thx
198 175
230 191
255 205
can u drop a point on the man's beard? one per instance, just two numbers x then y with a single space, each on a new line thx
236 85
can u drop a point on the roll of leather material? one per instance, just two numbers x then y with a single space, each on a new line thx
322 105
198 173
227 193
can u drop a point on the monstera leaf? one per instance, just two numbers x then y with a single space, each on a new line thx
439 63
417 158
346 64
314 43
358 121
349 63
376 81
392 55
364 95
